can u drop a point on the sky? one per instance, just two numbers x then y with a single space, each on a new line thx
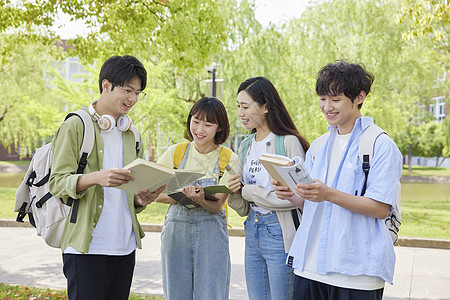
266 11
277 11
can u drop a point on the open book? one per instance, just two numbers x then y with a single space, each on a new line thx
289 172
209 195
150 175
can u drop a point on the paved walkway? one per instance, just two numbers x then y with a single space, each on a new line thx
421 273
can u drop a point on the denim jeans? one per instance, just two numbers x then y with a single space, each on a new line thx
266 272
195 254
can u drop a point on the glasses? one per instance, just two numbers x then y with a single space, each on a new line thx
131 93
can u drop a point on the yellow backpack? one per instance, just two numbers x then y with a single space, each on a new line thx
224 160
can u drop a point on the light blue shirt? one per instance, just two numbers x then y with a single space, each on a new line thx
350 243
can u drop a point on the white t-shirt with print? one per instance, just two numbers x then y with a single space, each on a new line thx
253 171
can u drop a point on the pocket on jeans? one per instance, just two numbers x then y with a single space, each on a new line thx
222 231
274 230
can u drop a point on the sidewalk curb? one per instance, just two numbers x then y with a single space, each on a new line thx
402 241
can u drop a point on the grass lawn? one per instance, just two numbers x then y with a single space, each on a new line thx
425 207
11 292
425 210
7 203
425 171
15 162
153 214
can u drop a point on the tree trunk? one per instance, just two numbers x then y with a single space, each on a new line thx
2 115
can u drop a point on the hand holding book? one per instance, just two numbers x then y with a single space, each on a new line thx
151 176
208 191
144 198
235 183
289 172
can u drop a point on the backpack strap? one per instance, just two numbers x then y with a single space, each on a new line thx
318 143
23 192
279 145
245 146
281 150
224 160
86 148
136 138
295 217
180 154
365 150
88 137
367 142
365 153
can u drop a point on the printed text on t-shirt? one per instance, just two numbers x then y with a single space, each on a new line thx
254 168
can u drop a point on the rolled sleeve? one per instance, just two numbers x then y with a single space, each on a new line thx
71 182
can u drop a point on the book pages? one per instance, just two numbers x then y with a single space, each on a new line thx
150 175
295 174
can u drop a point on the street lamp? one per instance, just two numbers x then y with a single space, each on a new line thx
214 87
213 71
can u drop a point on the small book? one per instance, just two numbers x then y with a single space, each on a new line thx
150 175
289 172
210 191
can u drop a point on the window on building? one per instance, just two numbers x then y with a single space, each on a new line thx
439 108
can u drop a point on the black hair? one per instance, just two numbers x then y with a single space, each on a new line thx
261 90
212 110
344 77
119 70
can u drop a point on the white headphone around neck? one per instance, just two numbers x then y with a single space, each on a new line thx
107 122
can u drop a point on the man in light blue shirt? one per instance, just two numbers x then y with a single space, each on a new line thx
343 249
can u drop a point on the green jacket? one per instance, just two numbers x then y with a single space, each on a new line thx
66 146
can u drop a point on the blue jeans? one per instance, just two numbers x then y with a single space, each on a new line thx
266 272
195 254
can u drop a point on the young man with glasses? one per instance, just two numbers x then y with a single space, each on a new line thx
99 248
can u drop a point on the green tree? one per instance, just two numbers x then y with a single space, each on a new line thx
182 32
175 40
430 144
364 31
426 18
445 130
27 108
251 51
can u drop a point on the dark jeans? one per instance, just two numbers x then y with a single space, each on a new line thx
314 290
98 277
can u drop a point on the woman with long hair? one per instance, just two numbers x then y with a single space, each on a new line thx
271 223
